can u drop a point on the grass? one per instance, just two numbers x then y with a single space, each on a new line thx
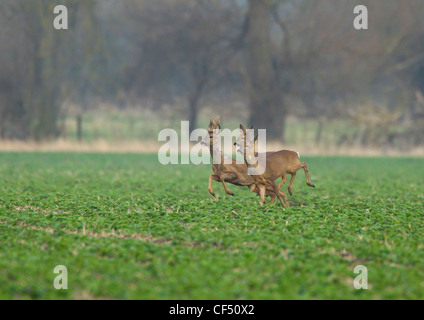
127 227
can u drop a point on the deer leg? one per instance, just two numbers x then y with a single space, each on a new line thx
223 177
256 189
305 168
285 199
215 177
291 182
272 199
262 193
280 193
283 181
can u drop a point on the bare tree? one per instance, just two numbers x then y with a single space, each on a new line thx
266 106
40 67
184 48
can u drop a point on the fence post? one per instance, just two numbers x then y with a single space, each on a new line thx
79 127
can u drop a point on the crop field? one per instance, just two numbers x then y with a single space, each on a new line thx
127 227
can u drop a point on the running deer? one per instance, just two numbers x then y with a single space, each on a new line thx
278 164
233 172
294 164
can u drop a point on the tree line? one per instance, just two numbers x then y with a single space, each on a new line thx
277 57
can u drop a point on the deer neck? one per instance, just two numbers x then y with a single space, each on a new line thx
249 157
215 150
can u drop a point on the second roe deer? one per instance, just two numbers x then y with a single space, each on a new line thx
278 164
293 164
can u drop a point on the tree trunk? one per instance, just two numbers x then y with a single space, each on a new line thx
266 105
319 131
192 117
79 128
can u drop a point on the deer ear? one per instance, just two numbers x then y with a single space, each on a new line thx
218 120
242 128
211 121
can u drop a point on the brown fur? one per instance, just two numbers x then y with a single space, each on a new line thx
278 164
233 173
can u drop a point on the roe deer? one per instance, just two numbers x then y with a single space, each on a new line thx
278 164
233 173
293 164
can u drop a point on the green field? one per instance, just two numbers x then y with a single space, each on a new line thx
127 227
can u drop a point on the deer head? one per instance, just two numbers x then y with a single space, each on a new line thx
213 125
245 139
